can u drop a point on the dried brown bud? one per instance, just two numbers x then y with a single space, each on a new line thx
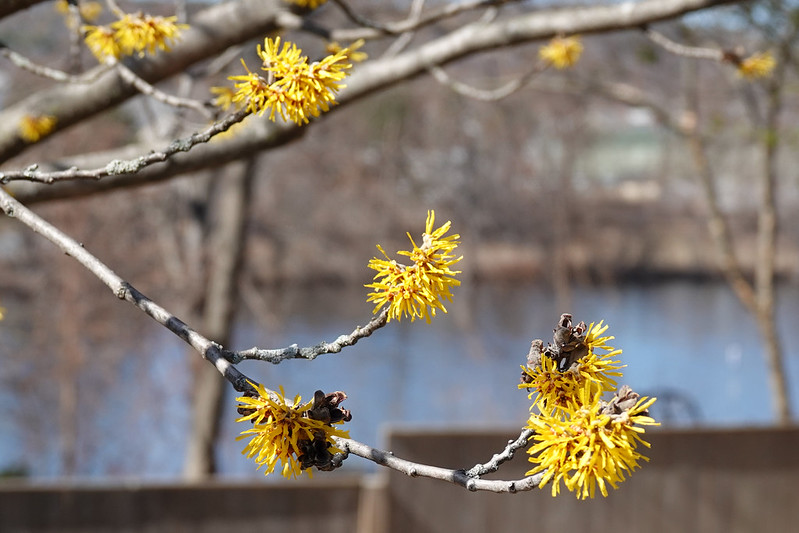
568 343
734 57
534 355
315 453
624 399
325 408
245 411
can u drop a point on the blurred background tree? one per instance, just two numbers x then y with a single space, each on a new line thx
600 174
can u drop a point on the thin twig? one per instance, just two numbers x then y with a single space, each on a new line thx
114 7
399 44
373 30
361 21
278 355
683 50
220 62
485 95
74 20
505 455
456 477
145 88
130 166
629 95
182 11
47 72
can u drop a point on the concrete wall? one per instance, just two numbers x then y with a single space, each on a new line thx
708 481
302 507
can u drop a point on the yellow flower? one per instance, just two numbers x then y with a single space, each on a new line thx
102 42
132 34
2 310
758 65
562 52
252 90
585 447
283 432
141 32
32 129
596 367
88 10
552 389
224 97
419 289
310 4
293 88
352 55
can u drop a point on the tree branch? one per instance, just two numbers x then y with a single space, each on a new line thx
767 240
9 7
485 95
214 353
213 30
24 63
371 30
533 26
505 455
131 166
719 229
676 48
461 478
251 137
204 108
376 75
403 40
276 356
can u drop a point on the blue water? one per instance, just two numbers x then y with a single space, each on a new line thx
692 345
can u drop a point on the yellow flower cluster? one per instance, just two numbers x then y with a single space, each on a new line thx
552 389
32 129
293 88
579 440
562 52
132 34
419 289
757 66
88 10
585 447
282 431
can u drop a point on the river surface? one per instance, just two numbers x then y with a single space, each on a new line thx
692 345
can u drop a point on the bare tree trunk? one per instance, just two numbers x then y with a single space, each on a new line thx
767 249
226 251
718 227
759 299
71 366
